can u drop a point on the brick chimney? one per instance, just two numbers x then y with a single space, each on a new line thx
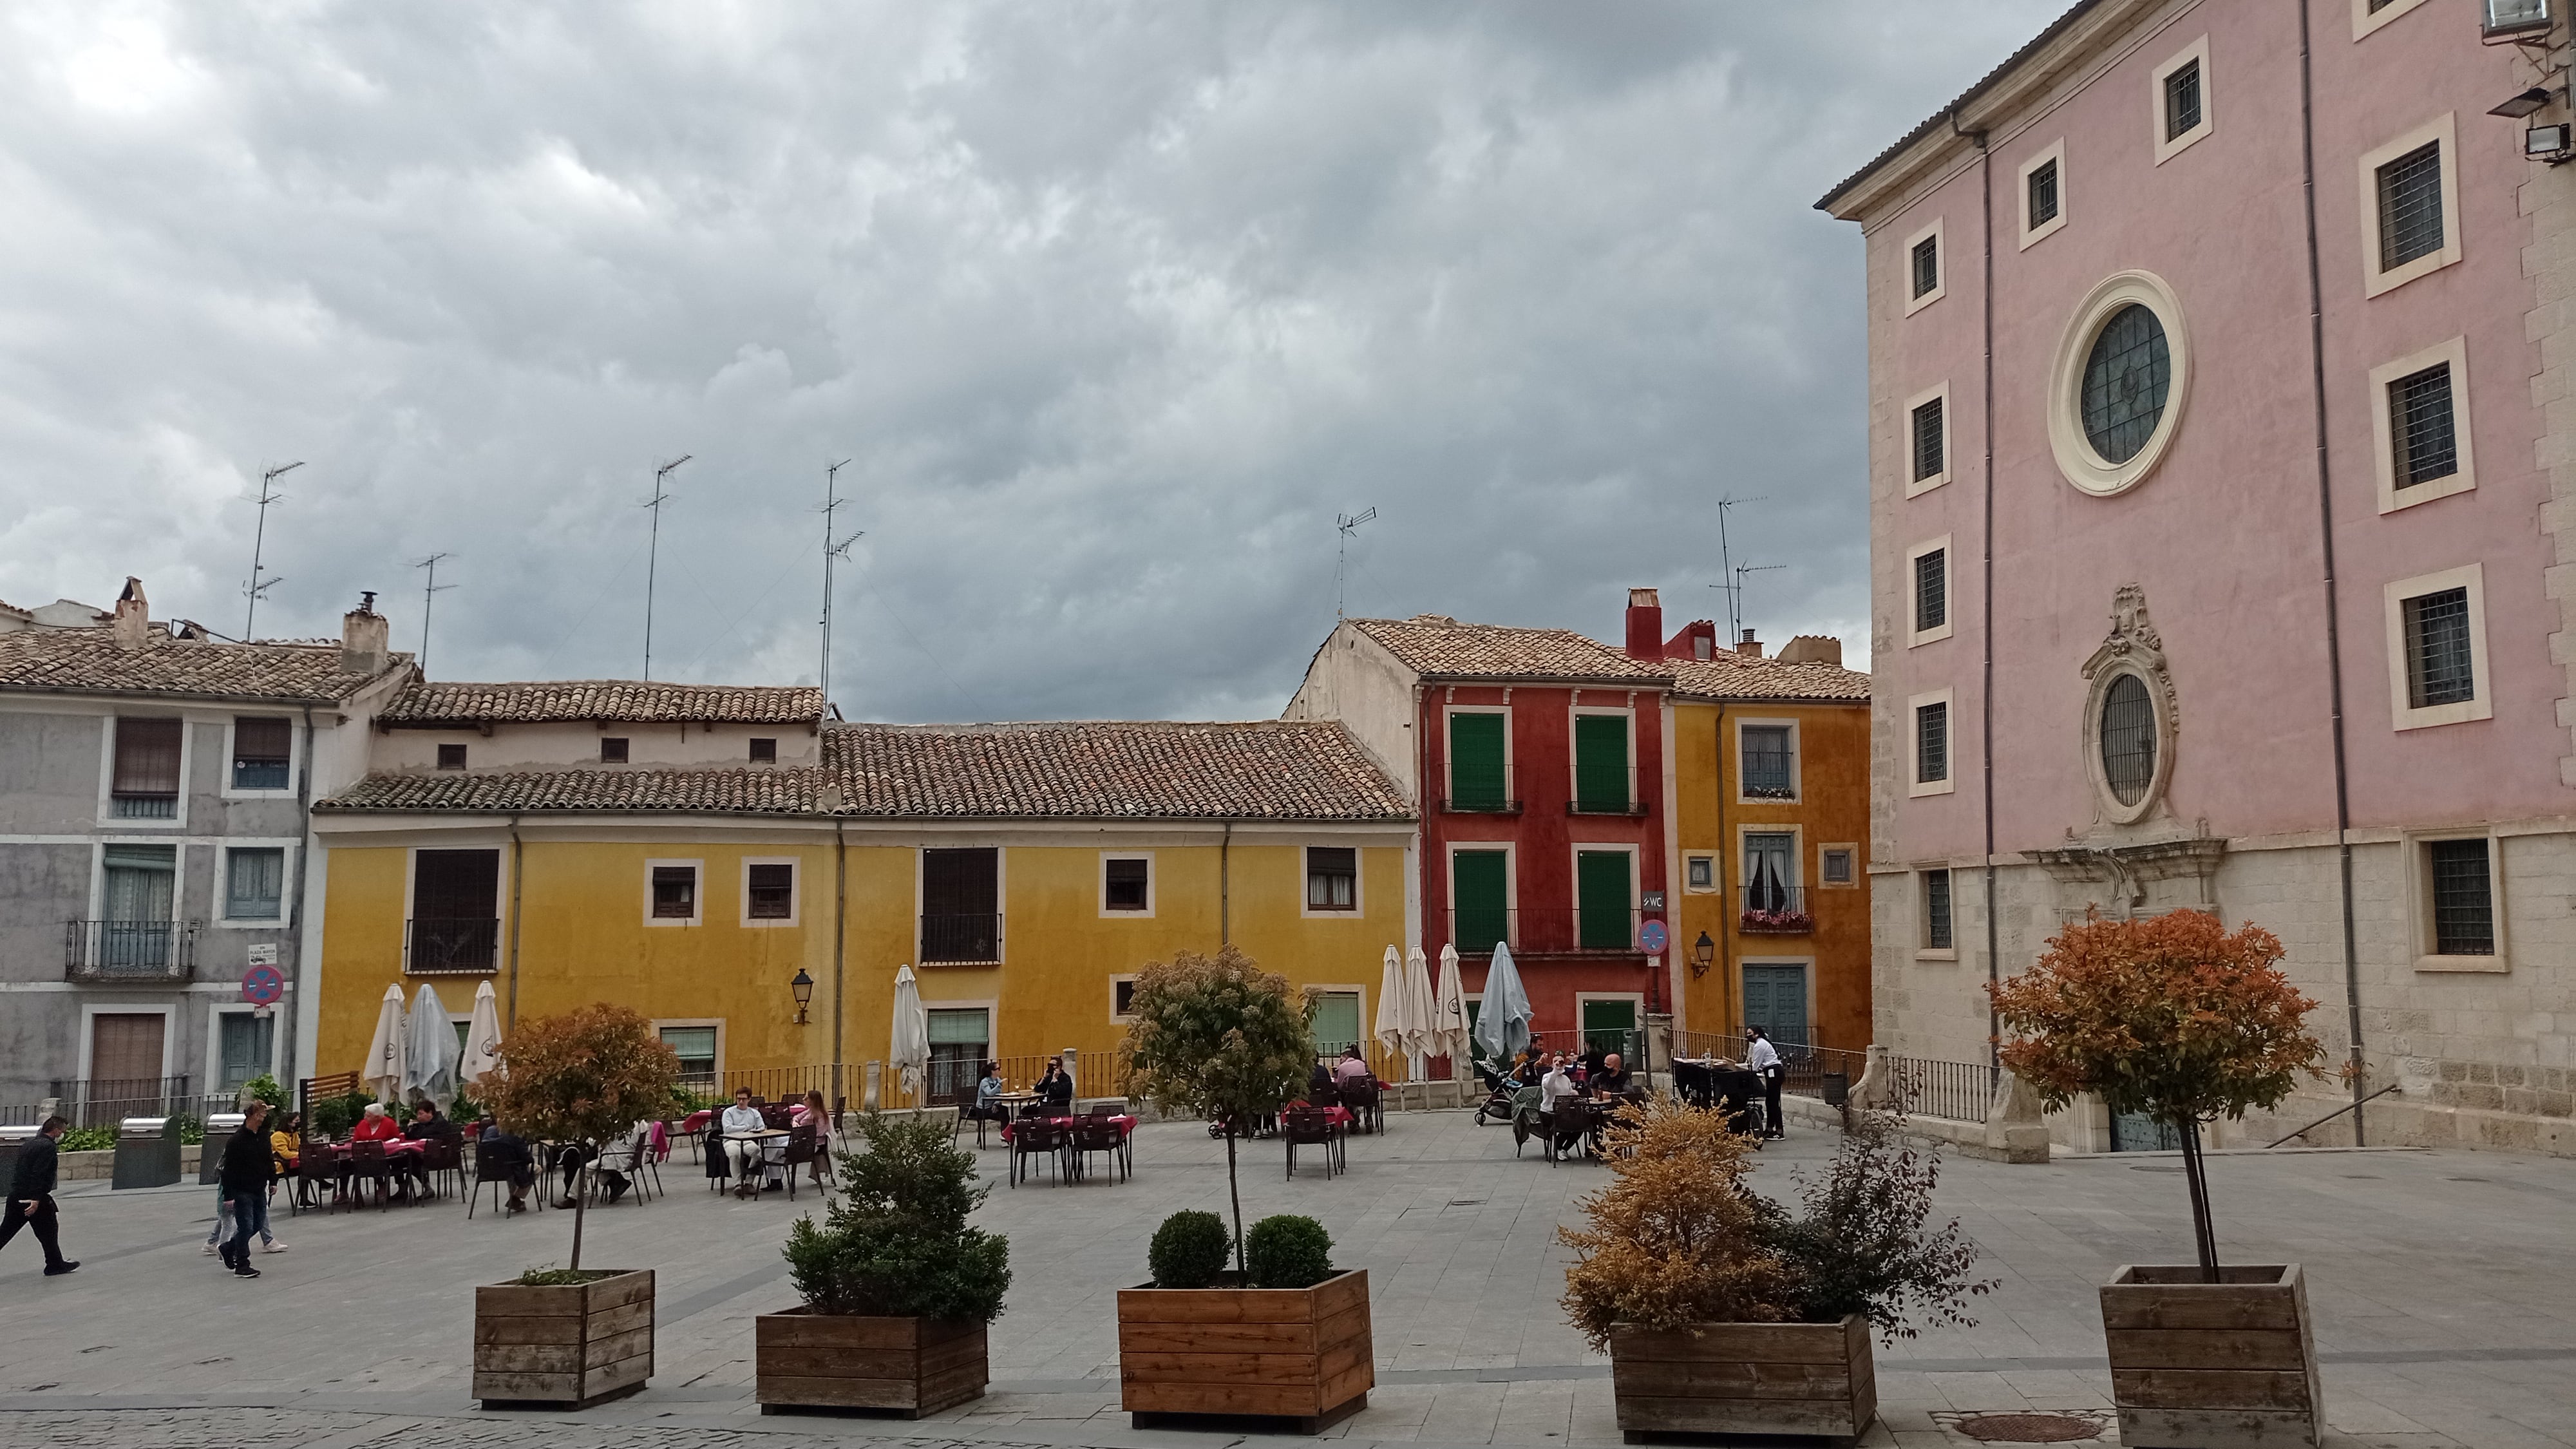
1645 624
1697 640
364 637
1749 646
1813 649
132 619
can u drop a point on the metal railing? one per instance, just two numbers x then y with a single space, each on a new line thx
1384 1065
951 940
1552 932
457 945
142 951
1775 910
1956 1091
1770 775
105 1101
769 1084
1604 798
1809 1066
1475 798
139 806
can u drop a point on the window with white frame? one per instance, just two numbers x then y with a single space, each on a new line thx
1926 274
2043 195
2410 206
1699 873
673 892
2459 896
769 890
1927 440
1126 884
243 1042
254 883
1332 878
696 1048
2437 649
2181 100
1767 756
2369 15
2420 421
1937 932
1931 742
263 752
1927 571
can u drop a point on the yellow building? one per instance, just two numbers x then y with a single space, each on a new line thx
690 852
1769 769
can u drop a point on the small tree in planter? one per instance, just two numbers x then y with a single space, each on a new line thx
572 1336
1288 1338
2185 1021
898 1289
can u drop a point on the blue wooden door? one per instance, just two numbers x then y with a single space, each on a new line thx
1775 999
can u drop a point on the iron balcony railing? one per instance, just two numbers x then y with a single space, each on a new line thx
954 940
1770 775
139 806
1490 796
135 951
1605 796
1775 910
451 945
1546 932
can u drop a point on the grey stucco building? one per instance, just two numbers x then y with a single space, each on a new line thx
155 786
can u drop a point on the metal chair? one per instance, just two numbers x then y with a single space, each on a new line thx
442 1158
1036 1137
500 1174
367 1163
804 1149
1363 1098
1311 1127
1097 1133
316 1167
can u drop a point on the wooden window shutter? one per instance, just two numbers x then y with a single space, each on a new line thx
147 757
1601 762
1476 780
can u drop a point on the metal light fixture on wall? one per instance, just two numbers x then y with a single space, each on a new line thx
803 986
1703 954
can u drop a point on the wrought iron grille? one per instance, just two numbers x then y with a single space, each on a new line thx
1931 743
2128 738
2410 206
2126 377
2423 443
2463 903
2043 194
2438 663
1931 590
1929 446
2182 100
1936 910
1927 265
1770 765
466 946
961 938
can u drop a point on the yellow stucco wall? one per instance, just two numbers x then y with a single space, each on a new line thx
584 936
1832 809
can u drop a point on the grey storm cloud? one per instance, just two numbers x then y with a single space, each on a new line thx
1112 308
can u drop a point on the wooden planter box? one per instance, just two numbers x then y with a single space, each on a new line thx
908 1367
2225 1365
1744 1378
563 1348
1297 1353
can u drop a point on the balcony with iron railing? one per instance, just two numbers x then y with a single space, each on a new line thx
1560 931
143 805
1775 910
1597 792
137 952
961 940
1471 795
1770 774
451 946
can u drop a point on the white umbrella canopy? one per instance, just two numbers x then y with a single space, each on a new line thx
429 1047
910 1049
384 1072
1449 1014
480 1055
1503 1024
1390 1002
1418 1009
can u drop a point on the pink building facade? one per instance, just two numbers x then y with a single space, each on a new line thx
2222 515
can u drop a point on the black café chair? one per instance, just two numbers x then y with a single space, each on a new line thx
317 1168
1310 1126
490 1168
1036 1137
1096 1133
1363 1097
804 1149
368 1164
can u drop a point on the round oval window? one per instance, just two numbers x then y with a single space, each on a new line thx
2128 739
2126 378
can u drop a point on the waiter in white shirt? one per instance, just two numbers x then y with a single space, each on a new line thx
1764 1061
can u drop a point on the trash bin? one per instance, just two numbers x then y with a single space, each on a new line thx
1837 1087
147 1153
210 1154
11 1139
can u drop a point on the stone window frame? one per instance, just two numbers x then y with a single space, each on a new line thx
1716 882
795 893
1940 268
2419 902
1152 884
2032 236
1916 787
2087 470
1924 950
2365 21
1858 873
2443 129
1949 624
2132 648
2481 702
2383 435
1917 487
697 894
2167 148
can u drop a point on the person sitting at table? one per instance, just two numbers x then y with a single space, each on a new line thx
1352 1067
574 1156
496 1148
1319 1083
1056 1089
426 1125
988 1097
375 1126
1554 1089
286 1144
740 1127
1612 1080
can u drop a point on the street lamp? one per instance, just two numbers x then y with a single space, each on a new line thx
803 986
1703 952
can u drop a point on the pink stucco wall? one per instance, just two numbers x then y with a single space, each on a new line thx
2224 535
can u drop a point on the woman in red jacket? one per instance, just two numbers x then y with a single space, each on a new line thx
375 1126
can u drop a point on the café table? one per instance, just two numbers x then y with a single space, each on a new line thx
773 1153
402 1156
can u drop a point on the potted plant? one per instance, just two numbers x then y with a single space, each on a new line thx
574 1336
1283 1335
1723 1313
897 1288
2178 1018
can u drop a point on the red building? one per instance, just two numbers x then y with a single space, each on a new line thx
1536 757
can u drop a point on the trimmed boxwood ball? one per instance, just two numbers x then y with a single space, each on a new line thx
1189 1250
1288 1251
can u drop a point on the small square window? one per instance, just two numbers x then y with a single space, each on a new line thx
2042 194
1122 998
1931 448
2460 875
772 892
451 757
262 752
1931 590
2438 650
2410 206
1703 873
764 752
2182 100
1931 743
1936 911
612 750
1927 266
695 1046
1332 878
675 892
1124 883
254 883
1837 867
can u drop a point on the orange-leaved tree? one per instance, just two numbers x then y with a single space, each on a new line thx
587 1076
2172 1016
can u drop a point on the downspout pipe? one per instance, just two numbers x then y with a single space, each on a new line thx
1986 591
1225 887
1729 1018
295 938
840 936
2326 551
510 1019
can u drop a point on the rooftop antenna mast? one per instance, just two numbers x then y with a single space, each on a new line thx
653 554
428 595
1728 583
832 552
268 494
1349 528
1740 571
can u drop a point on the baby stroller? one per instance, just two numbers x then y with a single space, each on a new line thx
1501 1093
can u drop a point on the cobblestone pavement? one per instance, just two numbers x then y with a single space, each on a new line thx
2439 1283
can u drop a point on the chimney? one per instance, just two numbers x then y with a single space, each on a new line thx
1813 649
132 619
363 637
1750 646
1645 624
1697 640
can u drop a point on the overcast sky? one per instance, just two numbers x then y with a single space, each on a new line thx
1112 308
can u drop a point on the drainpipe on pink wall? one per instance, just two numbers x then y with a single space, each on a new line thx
1986 587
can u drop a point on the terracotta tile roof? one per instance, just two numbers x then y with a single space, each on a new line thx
1268 770
1438 647
1735 676
88 661
623 701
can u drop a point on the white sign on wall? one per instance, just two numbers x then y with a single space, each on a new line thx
263 953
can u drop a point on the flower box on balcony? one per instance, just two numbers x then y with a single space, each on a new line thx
1777 923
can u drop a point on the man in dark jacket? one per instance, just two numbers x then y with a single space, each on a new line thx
247 1168
31 1197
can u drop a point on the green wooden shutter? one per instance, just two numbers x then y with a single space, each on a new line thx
1476 762
1611 1026
1477 899
1601 763
1337 1021
1605 897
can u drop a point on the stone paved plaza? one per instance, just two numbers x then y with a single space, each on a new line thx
2443 1286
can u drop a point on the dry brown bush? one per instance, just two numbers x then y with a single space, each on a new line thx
1677 1237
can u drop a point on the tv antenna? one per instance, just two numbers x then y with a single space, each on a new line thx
1349 529
832 552
653 554
257 586
1740 571
1729 583
428 595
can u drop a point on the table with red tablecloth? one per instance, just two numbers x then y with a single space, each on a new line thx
1338 1116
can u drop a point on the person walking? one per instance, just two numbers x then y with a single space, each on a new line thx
247 1168
31 1197
1764 1061
268 1242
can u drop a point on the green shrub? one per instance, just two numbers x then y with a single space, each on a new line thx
191 1130
87 1139
897 1244
1189 1250
1287 1251
264 1088
334 1116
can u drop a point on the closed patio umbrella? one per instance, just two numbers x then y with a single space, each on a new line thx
383 1073
1390 1002
482 1038
429 1047
910 1049
1449 1015
1418 1028
1503 1024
